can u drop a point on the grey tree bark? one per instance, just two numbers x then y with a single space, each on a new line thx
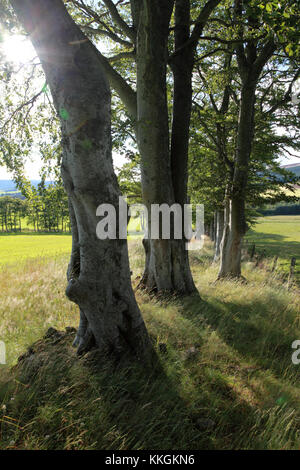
182 68
219 234
235 205
164 169
98 273
167 267
167 264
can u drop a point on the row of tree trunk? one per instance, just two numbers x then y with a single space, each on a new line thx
98 275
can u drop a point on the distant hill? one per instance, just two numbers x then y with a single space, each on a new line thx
294 167
8 187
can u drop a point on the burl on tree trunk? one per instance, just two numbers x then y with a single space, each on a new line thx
98 274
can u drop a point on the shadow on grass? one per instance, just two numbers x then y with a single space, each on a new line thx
274 243
62 402
251 329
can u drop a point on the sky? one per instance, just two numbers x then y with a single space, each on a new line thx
20 50
32 168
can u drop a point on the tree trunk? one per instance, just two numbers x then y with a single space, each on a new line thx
230 245
182 69
98 273
235 220
251 60
167 267
219 233
212 229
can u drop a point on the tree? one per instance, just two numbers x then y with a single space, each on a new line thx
98 273
247 32
145 32
47 207
12 210
219 90
251 58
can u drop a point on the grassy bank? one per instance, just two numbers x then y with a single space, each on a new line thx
225 382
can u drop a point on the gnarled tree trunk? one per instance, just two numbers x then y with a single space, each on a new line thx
98 274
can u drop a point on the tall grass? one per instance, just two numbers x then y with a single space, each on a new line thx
224 379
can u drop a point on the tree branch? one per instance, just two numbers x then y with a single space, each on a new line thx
116 17
234 96
119 84
202 19
287 97
23 105
108 33
199 26
207 87
122 55
266 53
208 54
98 19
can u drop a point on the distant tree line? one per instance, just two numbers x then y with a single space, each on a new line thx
279 209
45 209
12 210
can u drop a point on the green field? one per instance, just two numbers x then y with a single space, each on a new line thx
278 235
15 248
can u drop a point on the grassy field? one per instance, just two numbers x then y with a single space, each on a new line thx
226 382
25 245
9 193
278 235
15 248
296 192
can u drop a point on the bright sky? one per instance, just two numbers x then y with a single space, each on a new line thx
19 50
32 168
32 171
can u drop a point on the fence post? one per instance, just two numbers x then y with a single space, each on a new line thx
2 353
274 263
292 270
260 257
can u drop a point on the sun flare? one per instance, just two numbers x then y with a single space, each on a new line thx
17 49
